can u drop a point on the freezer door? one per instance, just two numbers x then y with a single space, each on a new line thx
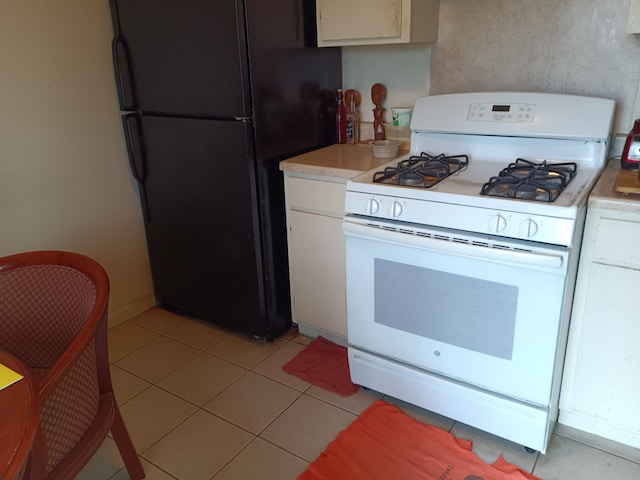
202 225
293 84
181 57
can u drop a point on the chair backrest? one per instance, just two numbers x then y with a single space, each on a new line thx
52 304
42 310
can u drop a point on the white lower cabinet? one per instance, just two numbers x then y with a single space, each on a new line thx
601 383
315 208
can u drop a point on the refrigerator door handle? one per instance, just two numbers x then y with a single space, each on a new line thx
298 22
122 68
137 158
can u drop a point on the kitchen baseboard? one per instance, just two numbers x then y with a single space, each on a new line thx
594 431
129 311
313 332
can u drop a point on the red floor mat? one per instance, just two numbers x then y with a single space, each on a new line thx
325 364
384 443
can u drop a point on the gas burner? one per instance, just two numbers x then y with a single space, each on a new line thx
422 171
527 180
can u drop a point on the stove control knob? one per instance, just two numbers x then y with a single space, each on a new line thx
497 223
529 228
396 209
372 206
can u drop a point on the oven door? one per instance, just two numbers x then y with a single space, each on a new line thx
479 310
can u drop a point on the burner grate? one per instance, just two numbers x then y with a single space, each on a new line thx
422 170
527 180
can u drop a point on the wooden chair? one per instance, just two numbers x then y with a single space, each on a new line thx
53 317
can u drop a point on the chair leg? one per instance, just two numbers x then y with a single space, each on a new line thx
126 448
37 464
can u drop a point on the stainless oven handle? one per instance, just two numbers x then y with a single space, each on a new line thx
454 247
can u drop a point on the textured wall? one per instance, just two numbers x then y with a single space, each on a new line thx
574 47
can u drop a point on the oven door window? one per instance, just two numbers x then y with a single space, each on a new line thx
468 315
418 301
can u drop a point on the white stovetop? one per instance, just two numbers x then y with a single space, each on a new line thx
463 187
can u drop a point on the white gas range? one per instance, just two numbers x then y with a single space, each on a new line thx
461 258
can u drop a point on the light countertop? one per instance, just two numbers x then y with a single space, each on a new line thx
343 161
605 196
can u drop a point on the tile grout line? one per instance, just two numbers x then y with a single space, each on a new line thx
202 408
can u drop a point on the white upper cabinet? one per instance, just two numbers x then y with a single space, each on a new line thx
375 22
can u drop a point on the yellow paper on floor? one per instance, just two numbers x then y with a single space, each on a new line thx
8 376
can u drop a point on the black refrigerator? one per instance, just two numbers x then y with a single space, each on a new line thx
213 94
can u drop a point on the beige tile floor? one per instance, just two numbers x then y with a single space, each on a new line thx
203 404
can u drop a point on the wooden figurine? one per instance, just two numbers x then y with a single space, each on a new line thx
378 94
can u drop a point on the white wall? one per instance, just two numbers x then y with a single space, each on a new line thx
402 69
64 177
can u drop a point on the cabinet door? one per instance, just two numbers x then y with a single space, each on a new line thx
359 19
371 22
316 252
605 391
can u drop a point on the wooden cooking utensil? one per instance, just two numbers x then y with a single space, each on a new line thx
349 94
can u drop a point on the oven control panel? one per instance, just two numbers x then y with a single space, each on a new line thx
517 225
525 227
502 112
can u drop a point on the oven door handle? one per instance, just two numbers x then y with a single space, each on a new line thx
538 259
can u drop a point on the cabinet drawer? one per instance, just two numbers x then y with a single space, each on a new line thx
315 195
618 243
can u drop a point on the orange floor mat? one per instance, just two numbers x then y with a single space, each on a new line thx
325 364
384 443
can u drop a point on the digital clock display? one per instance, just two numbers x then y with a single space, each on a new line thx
501 108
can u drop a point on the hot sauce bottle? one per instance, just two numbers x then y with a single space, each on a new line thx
353 125
341 119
